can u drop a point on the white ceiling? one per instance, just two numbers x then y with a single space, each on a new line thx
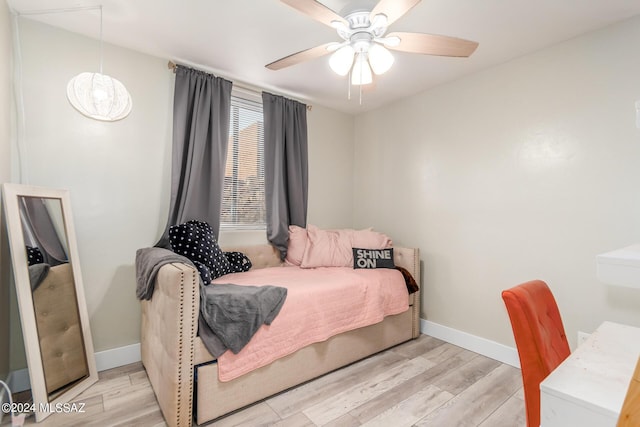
237 38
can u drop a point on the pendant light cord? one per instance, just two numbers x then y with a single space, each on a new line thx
18 95
17 419
360 86
60 10
66 10
101 47
20 129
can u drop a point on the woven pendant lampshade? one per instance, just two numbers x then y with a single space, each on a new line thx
99 96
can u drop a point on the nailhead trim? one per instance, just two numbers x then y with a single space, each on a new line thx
185 370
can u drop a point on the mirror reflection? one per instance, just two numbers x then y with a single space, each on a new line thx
53 287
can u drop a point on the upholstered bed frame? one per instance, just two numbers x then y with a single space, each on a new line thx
174 356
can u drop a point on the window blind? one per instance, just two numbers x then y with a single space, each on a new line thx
243 203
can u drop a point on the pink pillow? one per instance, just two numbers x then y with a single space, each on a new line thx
327 248
297 244
333 248
369 239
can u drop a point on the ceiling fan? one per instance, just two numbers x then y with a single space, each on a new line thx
365 45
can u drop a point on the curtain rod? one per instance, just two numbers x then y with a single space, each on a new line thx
172 66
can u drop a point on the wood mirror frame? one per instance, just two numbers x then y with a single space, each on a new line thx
45 395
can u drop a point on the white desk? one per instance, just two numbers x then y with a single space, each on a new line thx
589 387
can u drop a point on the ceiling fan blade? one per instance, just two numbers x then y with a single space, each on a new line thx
393 9
316 10
433 44
303 55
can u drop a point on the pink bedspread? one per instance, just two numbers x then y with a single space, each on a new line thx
321 302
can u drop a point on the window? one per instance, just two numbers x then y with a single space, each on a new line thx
243 205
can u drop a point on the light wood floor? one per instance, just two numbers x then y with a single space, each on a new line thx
425 382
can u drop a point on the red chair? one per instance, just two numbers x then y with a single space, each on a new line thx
540 338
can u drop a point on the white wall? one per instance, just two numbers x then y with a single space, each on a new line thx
330 168
118 173
114 171
526 170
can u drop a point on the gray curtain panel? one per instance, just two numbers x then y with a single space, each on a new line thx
285 167
201 110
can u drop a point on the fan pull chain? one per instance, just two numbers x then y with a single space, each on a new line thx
349 86
360 86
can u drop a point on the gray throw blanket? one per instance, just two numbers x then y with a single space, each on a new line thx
234 313
148 263
229 314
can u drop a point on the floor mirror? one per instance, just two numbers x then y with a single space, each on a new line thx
53 312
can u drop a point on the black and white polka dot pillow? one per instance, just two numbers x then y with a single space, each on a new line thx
205 274
34 256
239 262
195 240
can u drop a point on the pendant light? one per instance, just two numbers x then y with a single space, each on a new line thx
97 95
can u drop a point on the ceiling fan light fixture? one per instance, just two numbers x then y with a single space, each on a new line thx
332 47
392 41
341 60
361 73
365 50
380 58
379 21
339 25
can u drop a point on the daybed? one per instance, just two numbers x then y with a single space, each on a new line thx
183 373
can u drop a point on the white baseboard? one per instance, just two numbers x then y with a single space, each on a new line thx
19 380
108 359
120 356
483 346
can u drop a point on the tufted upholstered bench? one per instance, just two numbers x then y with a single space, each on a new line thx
58 322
